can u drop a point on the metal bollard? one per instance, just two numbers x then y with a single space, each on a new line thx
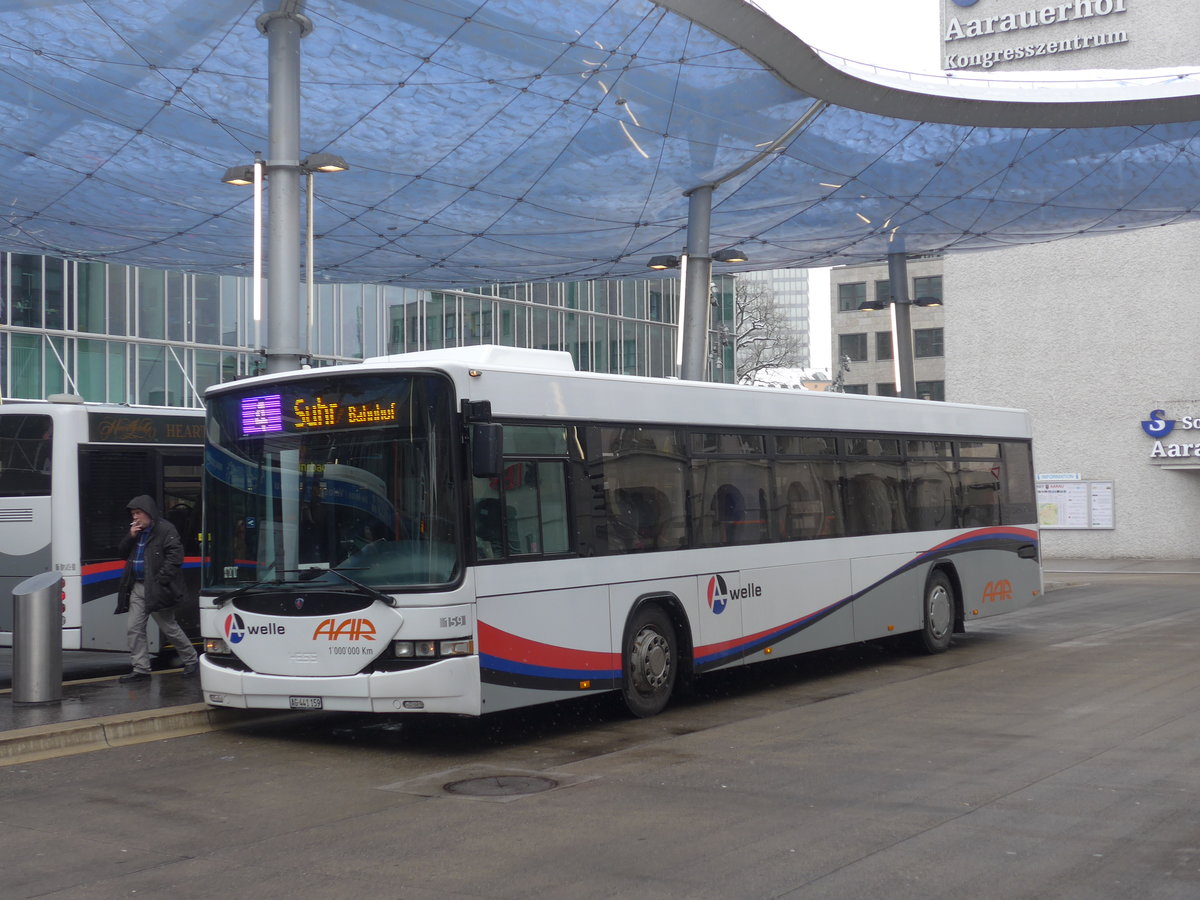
37 639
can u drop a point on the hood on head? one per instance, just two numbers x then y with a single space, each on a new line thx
145 502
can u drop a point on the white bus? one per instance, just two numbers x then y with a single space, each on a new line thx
67 469
472 530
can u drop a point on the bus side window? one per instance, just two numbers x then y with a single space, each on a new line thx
641 486
539 509
492 520
931 496
524 513
25 448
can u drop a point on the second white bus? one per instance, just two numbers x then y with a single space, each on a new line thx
67 469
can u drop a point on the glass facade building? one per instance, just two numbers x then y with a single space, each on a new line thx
125 334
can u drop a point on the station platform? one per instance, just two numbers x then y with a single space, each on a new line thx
98 711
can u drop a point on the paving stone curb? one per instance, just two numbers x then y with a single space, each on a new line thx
40 742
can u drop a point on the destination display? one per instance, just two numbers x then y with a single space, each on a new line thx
275 413
122 427
332 403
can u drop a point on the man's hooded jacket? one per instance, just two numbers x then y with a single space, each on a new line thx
164 560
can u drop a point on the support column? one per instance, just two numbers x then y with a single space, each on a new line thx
284 31
902 339
693 330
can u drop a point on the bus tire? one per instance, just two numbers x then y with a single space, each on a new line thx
937 613
650 661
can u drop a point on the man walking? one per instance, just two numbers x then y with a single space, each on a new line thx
152 585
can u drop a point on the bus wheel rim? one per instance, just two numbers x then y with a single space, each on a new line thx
650 661
940 607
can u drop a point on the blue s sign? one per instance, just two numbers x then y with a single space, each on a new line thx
1158 425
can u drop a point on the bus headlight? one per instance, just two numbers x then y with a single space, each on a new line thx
433 649
216 646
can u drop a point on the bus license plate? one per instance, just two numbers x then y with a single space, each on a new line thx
305 702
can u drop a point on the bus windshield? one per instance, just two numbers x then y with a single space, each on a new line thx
350 474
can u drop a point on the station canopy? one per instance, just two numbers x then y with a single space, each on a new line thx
521 140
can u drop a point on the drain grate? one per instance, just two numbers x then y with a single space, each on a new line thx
500 786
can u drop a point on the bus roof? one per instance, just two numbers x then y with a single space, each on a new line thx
522 383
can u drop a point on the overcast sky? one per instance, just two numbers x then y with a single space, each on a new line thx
898 34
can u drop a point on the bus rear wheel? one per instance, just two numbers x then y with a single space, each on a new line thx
650 660
937 614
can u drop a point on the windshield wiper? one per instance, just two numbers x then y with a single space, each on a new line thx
312 574
222 599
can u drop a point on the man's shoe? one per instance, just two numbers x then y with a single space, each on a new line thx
190 669
134 676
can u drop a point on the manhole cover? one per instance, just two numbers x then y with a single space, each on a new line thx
500 785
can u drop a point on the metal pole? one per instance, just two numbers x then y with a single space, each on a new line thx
284 29
693 330
310 288
902 342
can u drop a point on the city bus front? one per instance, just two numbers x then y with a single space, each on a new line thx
334 575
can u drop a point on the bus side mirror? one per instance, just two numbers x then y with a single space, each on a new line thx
487 450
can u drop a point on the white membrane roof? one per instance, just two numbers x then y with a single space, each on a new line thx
516 140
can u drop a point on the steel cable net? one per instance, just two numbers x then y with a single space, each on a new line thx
512 140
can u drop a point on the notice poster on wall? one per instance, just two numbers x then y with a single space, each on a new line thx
1075 504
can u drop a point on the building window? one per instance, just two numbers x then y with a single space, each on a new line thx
854 389
851 296
928 286
931 390
883 291
883 345
886 389
853 346
928 342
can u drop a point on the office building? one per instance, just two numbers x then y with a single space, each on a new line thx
862 350
124 334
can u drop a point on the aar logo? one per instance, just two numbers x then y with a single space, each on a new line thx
718 594
351 629
235 628
1158 426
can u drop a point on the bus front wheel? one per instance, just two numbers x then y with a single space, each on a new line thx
650 661
937 616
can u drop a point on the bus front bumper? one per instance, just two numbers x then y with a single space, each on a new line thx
447 686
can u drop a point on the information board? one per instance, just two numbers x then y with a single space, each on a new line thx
1075 504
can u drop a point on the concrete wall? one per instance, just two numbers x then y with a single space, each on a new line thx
1090 335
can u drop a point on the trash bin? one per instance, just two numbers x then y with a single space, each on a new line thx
37 639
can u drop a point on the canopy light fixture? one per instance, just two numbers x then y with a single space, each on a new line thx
664 262
239 175
873 305
323 162
927 301
730 256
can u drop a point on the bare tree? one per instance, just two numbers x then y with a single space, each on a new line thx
764 340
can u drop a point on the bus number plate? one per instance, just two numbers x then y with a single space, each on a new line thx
305 702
